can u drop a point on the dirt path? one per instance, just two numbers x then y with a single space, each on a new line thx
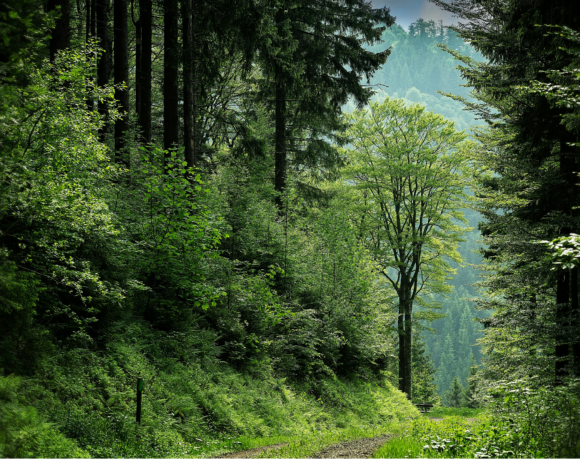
251 453
360 448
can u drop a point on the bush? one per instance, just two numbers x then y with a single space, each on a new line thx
23 433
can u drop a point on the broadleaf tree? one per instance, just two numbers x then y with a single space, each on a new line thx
405 184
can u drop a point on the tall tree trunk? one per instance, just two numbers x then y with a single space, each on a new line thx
60 35
103 64
90 34
281 146
121 77
280 139
401 333
188 81
170 77
562 350
575 311
144 77
563 305
138 52
93 18
408 359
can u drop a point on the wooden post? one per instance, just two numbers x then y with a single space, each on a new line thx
139 394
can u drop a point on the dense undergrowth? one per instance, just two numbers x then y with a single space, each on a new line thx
82 403
519 422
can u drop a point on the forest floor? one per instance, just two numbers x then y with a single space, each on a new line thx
363 447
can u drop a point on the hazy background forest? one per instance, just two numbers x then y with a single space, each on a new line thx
291 221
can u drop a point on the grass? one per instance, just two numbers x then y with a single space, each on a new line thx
442 412
193 405
447 438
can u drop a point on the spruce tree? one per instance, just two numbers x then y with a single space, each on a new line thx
447 366
454 396
317 66
536 166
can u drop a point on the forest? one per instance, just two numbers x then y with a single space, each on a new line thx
229 225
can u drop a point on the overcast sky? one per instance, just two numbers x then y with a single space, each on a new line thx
408 11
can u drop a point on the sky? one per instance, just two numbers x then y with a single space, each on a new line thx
408 11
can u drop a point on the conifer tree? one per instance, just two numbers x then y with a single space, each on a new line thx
454 396
317 67
447 366
536 162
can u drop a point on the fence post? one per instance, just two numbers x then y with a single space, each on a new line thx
139 393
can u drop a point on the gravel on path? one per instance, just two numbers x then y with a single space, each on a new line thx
359 448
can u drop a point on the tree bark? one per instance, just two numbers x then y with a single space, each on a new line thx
144 76
103 64
575 311
60 35
281 146
563 304
170 77
121 77
90 34
138 52
408 360
401 333
562 350
188 82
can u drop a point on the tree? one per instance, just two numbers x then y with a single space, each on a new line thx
447 366
424 387
60 37
103 68
533 195
407 173
316 66
455 393
143 77
469 396
171 60
121 78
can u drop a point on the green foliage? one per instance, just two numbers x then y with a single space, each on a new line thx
521 423
395 146
23 433
454 396
424 386
565 251
191 402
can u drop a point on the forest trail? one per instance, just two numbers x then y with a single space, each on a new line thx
358 448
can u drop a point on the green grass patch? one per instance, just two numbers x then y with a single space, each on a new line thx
424 438
442 412
193 404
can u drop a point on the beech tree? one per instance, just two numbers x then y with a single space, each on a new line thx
405 186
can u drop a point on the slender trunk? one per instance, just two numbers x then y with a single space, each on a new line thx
280 138
121 77
138 52
103 64
60 35
188 94
408 360
562 349
170 77
93 18
563 306
401 333
90 33
144 78
281 146
575 311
